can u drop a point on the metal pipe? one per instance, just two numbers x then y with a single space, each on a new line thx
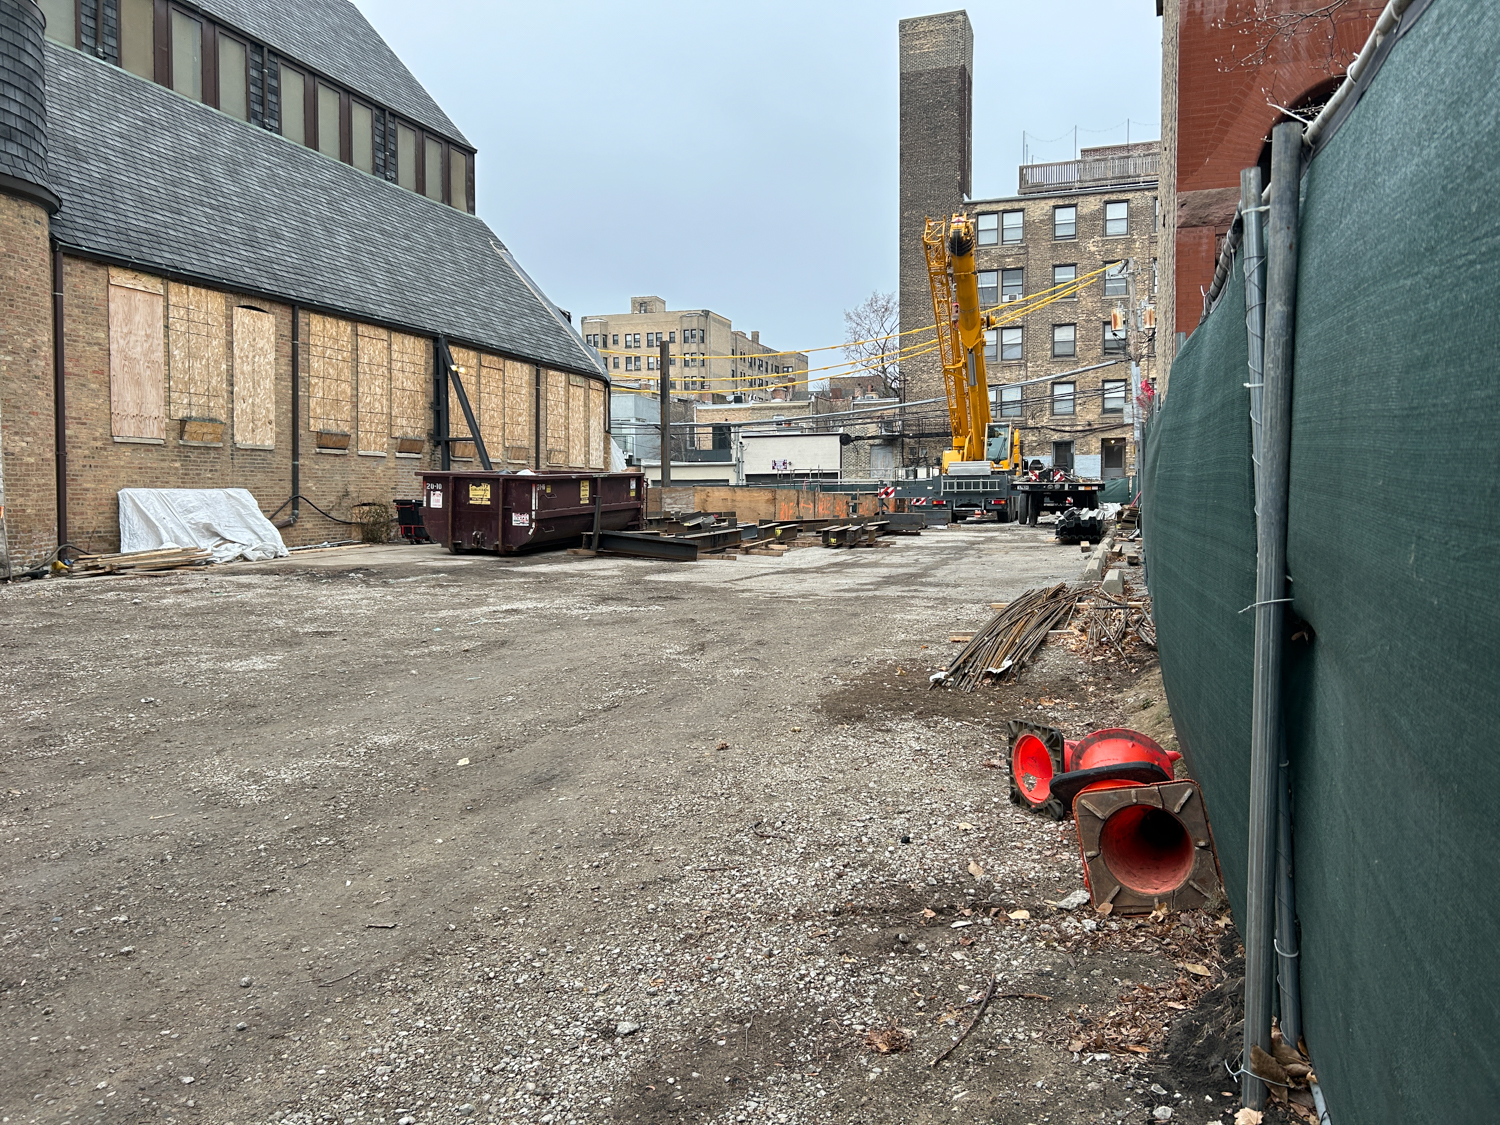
59 399
1384 25
664 385
1270 594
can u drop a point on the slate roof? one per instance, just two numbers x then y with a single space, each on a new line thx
334 37
151 178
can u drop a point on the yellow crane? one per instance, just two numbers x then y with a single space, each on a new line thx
980 446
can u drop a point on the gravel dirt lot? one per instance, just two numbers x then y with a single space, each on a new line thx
385 835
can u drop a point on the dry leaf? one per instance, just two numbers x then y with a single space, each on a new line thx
1131 1047
929 913
722 746
1264 1066
1019 915
1105 908
1076 1046
1197 970
1249 1117
975 870
888 1040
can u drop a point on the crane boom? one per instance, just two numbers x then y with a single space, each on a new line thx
961 326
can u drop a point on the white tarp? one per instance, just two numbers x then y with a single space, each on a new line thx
225 520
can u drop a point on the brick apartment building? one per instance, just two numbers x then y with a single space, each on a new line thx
240 250
1226 66
710 357
1062 373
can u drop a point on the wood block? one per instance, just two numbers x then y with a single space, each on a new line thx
961 638
583 552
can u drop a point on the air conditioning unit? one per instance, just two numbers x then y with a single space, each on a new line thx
1009 297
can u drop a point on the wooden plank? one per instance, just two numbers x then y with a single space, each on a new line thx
197 353
254 378
330 373
137 378
556 402
411 386
491 406
374 389
518 397
578 422
598 443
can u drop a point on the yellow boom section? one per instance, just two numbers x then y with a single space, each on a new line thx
960 328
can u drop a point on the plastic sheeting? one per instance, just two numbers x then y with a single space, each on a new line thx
227 521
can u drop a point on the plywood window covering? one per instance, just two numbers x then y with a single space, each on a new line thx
597 436
197 353
374 388
557 418
410 386
458 425
254 378
518 411
330 374
137 358
578 421
491 409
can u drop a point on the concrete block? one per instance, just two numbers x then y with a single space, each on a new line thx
1114 582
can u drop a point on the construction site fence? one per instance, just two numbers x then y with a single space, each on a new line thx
1392 676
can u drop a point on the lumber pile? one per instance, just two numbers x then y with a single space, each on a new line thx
139 562
1002 648
1114 624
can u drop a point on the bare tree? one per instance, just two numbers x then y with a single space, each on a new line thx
1265 28
870 334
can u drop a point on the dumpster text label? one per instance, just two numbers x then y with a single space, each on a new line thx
479 493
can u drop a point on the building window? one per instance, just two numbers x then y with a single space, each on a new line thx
1011 227
1114 396
992 345
433 184
137 360
1065 275
234 81
650 363
1065 222
406 157
458 179
671 337
254 352
635 341
137 37
1062 398
1010 402
62 21
1012 284
1116 284
1010 344
328 121
617 339
1064 340
362 136
293 106
617 363
989 288
1114 339
187 56
1116 219
1153 275
989 229
1062 455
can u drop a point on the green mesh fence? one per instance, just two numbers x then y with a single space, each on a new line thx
1392 553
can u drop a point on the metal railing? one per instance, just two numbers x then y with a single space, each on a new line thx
1092 172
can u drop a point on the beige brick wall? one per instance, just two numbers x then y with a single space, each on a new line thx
371 469
26 421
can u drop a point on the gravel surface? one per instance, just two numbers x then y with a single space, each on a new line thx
384 835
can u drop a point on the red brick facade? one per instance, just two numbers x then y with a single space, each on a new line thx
1225 62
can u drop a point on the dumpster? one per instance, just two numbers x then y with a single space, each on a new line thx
506 513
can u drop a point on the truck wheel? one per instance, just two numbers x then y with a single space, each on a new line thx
1033 510
1019 499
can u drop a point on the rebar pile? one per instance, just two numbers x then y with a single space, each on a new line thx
1004 646
1109 622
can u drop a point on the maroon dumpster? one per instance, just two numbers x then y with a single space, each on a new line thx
506 513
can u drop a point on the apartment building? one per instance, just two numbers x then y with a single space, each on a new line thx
710 359
1068 371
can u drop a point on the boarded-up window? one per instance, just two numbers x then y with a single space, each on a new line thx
557 418
197 352
254 378
597 438
410 386
491 408
137 357
458 425
578 421
374 388
330 374
518 411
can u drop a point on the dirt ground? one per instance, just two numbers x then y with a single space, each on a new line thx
384 835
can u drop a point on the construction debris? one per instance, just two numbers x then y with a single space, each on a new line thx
1119 624
1013 635
138 562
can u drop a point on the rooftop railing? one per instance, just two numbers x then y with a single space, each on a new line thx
1092 172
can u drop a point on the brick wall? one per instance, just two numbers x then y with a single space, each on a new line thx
28 526
99 464
1225 87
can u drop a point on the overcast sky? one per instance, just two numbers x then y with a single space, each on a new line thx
743 156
